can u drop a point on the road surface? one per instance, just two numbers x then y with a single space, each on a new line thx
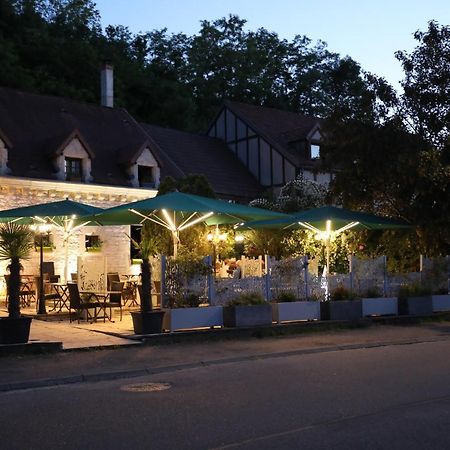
392 397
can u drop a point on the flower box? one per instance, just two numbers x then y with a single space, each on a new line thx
416 306
247 315
341 310
441 302
294 311
199 317
380 306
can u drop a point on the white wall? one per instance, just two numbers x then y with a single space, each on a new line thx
16 192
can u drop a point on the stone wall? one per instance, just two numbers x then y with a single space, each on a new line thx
16 193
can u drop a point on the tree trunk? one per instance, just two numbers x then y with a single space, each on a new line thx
14 289
146 299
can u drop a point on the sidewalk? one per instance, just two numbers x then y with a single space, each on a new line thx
138 360
79 335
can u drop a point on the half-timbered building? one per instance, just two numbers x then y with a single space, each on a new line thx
274 145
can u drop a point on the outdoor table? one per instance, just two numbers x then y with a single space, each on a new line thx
102 297
63 300
27 289
132 282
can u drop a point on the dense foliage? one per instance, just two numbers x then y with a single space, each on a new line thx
392 150
56 47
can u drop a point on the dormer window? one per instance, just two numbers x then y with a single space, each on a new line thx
4 144
143 169
72 159
315 151
146 176
73 169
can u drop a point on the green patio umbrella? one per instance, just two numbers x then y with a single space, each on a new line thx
328 222
65 215
177 211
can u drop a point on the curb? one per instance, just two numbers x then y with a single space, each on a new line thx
30 348
284 329
134 373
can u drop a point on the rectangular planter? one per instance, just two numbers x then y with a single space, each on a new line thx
441 302
381 306
292 311
341 310
185 318
147 322
15 331
247 316
416 306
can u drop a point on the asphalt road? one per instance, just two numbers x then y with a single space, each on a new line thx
394 397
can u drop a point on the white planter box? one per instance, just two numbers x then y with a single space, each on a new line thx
185 318
381 306
292 311
441 302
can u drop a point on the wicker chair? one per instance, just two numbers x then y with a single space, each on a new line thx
80 304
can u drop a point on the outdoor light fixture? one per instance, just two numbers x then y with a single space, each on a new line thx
239 238
216 238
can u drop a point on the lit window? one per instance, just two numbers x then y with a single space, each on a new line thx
72 169
315 151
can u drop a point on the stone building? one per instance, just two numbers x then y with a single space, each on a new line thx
53 148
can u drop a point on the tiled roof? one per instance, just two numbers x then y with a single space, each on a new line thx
199 154
278 127
36 127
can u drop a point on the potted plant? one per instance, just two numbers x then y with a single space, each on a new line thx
374 304
441 300
287 308
16 243
187 311
248 310
147 320
343 305
415 300
94 244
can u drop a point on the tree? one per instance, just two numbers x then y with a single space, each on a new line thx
191 184
296 195
391 152
426 100
16 242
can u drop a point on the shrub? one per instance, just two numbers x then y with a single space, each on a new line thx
415 290
286 296
248 298
440 291
342 293
188 300
372 292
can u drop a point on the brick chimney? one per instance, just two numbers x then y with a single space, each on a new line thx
107 84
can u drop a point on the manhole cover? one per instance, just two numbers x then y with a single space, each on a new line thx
145 387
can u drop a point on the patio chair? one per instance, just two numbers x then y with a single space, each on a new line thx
112 277
27 292
80 304
115 298
155 292
49 293
48 268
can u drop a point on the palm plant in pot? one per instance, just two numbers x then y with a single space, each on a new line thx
147 320
16 243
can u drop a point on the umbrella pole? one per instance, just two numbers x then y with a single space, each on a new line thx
66 258
176 241
327 288
41 307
